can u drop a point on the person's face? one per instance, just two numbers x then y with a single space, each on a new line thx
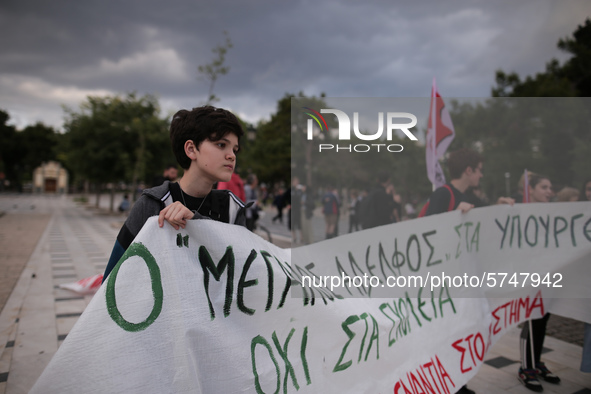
474 175
541 192
171 173
588 191
216 159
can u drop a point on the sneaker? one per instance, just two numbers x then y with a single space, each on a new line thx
529 379
545 373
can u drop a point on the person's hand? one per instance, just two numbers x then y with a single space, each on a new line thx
464 207
506 200
176 214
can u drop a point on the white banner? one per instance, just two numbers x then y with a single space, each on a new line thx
210 309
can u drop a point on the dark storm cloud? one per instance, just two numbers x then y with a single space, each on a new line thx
60 51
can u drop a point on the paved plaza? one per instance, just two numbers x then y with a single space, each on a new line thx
46 241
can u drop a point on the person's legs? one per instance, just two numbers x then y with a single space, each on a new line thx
330 220
538 334
532 369
306 230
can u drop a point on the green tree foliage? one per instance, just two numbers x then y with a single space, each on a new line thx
578 68
116 139
573 78
23 151
307 164
11 151
551 83
269 155
40 143
526 126
514 134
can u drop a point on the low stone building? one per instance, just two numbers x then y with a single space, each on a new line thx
50 177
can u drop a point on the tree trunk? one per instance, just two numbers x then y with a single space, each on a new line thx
98 195
112 199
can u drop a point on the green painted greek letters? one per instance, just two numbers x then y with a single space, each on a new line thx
135 249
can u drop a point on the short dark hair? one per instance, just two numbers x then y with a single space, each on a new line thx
461 159
197 125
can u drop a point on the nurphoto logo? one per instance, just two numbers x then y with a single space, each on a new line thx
393 122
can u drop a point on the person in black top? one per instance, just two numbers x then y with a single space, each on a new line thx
476 197
378 209
465 169
205 142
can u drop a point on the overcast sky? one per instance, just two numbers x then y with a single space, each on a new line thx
58 52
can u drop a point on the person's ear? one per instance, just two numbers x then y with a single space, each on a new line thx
191 150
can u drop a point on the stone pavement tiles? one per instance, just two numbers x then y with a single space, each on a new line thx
498 374
19 234
38 315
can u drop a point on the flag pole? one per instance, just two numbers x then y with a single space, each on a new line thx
433 119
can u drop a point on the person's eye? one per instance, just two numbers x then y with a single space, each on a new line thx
221 144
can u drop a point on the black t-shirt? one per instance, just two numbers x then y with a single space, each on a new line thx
209 207
440 199
473 199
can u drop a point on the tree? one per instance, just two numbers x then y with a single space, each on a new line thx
573 78
272 146
23 151
578 68
555 139
212 71
11 151
114 139
551 83
39 142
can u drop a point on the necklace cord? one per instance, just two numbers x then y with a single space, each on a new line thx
185 204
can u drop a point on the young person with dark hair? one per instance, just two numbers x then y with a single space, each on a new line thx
205 142
465 169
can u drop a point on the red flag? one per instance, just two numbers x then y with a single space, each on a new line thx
440 133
